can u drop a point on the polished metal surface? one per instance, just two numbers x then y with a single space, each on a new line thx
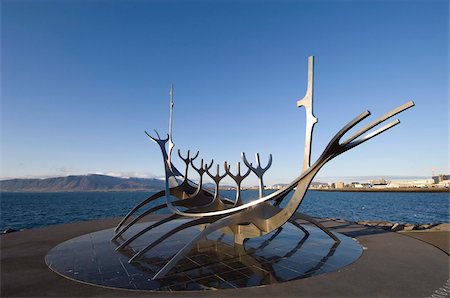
253 219
307 102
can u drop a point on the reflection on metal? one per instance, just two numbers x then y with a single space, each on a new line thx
214 263
258 217
248 259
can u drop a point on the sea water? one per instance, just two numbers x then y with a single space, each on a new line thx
31 210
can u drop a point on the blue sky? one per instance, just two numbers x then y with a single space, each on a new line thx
82 80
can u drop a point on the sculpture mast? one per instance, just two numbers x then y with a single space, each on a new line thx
171 144
307 102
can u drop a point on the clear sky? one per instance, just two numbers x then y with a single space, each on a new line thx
82 80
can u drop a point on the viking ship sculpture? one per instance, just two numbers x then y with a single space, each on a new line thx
213 212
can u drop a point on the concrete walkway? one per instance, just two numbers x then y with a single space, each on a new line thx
392 265
440 239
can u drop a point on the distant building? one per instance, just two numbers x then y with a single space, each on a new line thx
378 182
276 186
319 185
423 183
339 185
442 180
360 185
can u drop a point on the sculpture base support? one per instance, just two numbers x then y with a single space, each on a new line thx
215 263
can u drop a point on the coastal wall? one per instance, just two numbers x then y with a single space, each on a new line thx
400 189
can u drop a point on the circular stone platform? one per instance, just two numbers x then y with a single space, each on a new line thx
283 255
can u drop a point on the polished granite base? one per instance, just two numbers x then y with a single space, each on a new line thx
283 255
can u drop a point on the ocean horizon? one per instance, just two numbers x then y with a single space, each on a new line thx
33 210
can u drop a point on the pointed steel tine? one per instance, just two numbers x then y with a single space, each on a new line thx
210 165
246 174
152 138
186 160
349 126
244 159
227 168
159 140
372 134
258 161
268 164
193 166
217 170
238 166
157 133
196 155
379 120
224 174
333 147
208 173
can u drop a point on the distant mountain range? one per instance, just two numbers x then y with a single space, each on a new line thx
82 183
92 182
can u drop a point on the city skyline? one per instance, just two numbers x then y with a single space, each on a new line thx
82 80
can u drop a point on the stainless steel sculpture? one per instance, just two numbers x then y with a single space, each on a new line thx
259 217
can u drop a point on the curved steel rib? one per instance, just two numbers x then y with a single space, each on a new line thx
170 233
227 221
152 226
144 202
189 202
308 218
136 219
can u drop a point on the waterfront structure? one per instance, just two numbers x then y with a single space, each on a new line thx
442 180
212 212
319 185
339 185
420 183
381 181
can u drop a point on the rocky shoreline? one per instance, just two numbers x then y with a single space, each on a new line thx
386 225
399 227
401 189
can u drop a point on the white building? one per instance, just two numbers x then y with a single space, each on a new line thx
423 183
